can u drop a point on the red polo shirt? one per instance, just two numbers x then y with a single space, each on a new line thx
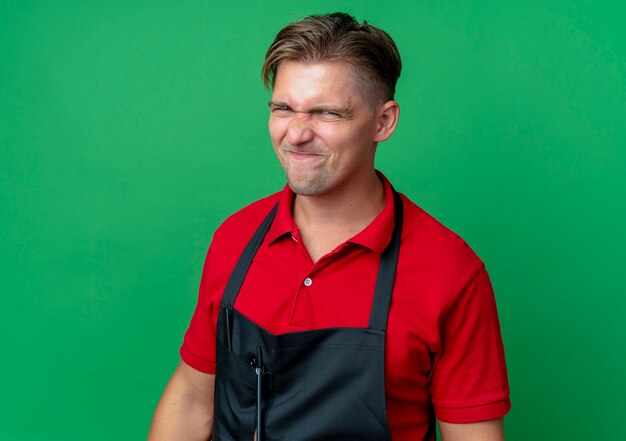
443 346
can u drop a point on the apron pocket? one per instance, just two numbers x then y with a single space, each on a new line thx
235 408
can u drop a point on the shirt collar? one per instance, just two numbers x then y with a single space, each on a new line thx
375 236
283 223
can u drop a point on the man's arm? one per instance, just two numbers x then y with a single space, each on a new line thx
484 431
185 411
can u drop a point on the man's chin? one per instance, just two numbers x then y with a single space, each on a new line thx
306 188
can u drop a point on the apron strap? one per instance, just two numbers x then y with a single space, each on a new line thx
387 271
243 264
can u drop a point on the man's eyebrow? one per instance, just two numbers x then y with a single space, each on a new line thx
319 108
331 108
278 104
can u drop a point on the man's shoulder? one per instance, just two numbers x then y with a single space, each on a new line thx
245 221
435 243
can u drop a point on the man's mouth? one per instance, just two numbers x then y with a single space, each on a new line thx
302 153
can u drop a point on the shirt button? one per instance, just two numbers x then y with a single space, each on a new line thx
308 282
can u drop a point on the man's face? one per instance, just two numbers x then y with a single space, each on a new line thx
321 127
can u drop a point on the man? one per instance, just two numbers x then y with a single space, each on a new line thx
337 309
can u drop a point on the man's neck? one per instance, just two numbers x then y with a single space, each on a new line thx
328 220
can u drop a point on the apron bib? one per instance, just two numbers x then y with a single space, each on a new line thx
319 385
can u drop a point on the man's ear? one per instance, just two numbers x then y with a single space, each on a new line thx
388 115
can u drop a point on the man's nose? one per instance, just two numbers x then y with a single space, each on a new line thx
299 130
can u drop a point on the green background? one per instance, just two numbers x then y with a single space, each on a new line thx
129 130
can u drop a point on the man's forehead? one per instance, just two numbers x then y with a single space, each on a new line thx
321 67
332 82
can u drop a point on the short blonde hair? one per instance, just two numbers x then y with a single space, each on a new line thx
339 37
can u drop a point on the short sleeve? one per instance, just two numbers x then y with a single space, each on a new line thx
469 380
198 348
